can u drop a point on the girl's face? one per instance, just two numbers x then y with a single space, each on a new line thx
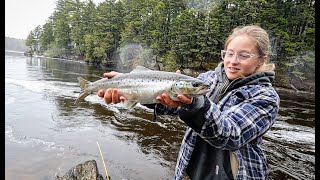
241 57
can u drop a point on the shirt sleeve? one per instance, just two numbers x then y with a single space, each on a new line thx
249 116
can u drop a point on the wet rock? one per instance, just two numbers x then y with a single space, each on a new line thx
297 93
84 171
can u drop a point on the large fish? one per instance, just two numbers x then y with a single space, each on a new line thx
143 85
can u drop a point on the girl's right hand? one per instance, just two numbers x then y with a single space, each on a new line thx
111 95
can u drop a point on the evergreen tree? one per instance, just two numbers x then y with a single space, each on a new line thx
77 29
62 27
46 37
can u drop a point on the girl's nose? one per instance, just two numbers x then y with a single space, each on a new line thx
234 59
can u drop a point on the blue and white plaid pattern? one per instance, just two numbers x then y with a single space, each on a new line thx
236 123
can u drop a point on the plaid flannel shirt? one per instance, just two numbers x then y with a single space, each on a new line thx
236 123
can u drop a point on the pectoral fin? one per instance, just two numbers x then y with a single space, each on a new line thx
81 97
83 85
130 103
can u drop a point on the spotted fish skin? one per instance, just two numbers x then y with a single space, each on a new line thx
144 85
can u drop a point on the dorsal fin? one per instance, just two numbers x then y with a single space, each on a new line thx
140 68
83 83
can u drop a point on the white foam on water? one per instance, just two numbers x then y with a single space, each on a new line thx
286 126
33 86
291 136
8 132
48 146
292 133
49 87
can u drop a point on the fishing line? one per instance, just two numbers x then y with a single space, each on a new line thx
103 162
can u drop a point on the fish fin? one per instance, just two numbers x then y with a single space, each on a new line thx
130 104
140 68
83 85
173 95
81 97
155 114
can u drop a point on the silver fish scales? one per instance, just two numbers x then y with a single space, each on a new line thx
143 85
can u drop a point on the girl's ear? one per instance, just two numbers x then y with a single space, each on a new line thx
263 60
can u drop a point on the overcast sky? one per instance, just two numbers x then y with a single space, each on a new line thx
22 16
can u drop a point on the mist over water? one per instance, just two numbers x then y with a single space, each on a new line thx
134 54
46 134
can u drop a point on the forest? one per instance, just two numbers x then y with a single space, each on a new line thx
178 34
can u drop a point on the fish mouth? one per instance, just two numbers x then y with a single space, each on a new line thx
203 89
200 90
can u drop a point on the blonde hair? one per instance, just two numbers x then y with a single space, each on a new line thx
262 43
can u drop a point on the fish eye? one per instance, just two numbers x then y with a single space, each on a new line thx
195 84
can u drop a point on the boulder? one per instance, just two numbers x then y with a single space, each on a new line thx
84 171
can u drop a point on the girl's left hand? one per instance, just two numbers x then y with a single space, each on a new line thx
167 101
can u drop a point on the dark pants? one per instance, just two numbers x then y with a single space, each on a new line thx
209 163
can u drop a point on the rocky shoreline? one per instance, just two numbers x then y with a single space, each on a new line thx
299 93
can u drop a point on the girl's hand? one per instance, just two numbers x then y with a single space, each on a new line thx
111 95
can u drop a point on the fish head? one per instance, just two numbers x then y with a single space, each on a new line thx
190 88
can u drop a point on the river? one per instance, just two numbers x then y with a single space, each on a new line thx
46 134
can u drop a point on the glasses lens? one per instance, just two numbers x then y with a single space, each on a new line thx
223 55
228 55
244 56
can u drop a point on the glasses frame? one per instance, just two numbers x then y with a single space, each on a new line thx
237 55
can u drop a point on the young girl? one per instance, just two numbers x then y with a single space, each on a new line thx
225 127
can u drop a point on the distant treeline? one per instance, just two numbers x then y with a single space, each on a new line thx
175 33
14 44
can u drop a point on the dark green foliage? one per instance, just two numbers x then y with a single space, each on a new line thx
32 41
46 37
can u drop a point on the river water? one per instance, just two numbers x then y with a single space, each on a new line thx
46 134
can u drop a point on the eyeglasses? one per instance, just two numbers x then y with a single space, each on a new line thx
228 55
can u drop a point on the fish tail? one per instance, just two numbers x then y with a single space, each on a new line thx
83 85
